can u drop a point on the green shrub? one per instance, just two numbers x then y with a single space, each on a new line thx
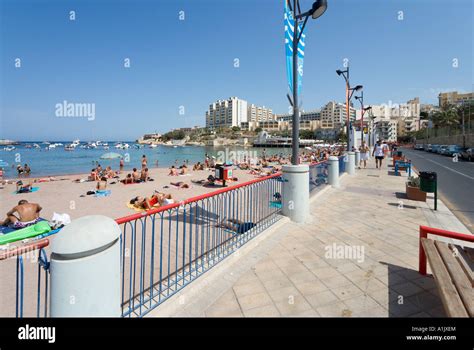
413 181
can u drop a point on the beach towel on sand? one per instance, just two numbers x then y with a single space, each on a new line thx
102 193
33 189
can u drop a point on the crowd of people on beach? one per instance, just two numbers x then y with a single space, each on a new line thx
261 166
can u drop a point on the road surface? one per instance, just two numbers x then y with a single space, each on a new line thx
455 182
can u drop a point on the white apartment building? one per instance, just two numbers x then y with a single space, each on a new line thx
406 115
386 129
334 115
408 125
259 114
411 109
226 113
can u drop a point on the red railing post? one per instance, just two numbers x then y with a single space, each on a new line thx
425 230
422 255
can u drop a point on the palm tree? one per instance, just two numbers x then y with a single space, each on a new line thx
446 117
465 111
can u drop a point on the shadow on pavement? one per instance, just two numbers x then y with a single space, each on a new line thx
411 294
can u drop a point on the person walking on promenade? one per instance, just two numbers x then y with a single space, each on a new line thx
379 154
364 154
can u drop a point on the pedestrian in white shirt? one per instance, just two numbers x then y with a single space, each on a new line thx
379 154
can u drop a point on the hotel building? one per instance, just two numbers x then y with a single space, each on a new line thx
226 113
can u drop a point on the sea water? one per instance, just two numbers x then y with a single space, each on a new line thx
58 161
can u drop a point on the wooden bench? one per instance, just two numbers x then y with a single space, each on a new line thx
452 268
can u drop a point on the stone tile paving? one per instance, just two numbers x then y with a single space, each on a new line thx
297 278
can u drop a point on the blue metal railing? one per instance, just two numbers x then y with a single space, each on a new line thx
31 294
318 176
169 247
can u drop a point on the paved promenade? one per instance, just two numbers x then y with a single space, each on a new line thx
356 256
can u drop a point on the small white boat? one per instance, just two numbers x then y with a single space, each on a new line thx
9 148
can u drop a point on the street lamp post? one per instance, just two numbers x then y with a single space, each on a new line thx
349 92
295 187
317 10
363 110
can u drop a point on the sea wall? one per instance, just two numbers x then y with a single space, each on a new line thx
449 140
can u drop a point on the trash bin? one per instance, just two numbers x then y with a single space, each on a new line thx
219 174
223 173
428 181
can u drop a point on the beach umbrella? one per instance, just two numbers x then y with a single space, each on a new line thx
110 155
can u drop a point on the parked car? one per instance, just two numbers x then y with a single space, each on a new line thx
427 147
442 149
419 146
468 154
434 148
452 149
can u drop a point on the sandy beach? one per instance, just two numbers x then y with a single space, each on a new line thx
64 195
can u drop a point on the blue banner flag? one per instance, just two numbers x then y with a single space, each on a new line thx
289 32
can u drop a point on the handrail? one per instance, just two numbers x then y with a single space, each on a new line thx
425 230
132 217
163 208
24 249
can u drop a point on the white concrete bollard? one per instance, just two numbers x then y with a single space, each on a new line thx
357 158
350 166
333 171
295 192
85 269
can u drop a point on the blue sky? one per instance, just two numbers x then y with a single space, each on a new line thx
190 63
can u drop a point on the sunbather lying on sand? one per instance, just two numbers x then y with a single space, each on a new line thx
164 198
156 200
27 214
23 188
145 203
180 184
209 182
